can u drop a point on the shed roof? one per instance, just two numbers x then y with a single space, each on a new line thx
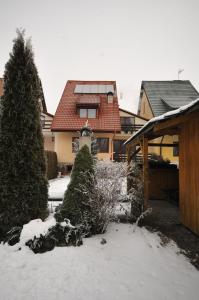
194 105
165 96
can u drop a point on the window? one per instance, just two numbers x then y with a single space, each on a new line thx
83 112
127 120
103 145
176 149
89 113
92 113
127 124
119 150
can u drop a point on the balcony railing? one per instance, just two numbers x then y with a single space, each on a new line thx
119 157
46 124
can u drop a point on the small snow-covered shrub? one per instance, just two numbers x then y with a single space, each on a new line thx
41 244
59 235
13 235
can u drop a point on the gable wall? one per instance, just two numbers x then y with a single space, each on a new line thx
165 152
63 146
145 109
138 121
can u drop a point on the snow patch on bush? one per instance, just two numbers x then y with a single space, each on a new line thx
36 228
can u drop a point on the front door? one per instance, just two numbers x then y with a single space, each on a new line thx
119 150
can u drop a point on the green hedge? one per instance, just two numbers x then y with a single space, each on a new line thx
51 164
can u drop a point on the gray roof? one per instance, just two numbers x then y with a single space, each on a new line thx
165 96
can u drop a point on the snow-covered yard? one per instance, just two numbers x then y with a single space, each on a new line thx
131 265
57 187
56 190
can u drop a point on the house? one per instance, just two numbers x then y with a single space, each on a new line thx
130 123
46 119
97 102
183 122
46 122
159 97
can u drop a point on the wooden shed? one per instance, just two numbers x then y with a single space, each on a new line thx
183 122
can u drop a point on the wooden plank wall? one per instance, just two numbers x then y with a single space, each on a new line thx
189 173
160 180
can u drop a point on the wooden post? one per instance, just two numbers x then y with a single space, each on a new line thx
128 152
145 171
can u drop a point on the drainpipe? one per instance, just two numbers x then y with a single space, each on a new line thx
112 146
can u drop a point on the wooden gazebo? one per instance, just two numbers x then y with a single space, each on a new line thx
183 122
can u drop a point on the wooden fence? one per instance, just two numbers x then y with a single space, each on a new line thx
51 164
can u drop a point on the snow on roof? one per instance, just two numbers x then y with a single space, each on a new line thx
165 116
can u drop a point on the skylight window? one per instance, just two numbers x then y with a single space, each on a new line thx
94 88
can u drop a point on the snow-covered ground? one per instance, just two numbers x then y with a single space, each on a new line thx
56 190
57 187
131 265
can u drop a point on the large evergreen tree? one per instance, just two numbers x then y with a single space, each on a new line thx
23 183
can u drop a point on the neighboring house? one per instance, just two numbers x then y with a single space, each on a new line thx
46 120
1 87
97 102
183 122
159 97
130 123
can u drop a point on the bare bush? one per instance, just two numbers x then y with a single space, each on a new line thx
107 182
136 193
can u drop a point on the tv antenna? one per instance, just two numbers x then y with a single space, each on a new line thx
179 72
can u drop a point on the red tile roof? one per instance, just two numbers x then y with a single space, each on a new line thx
1 87
67 119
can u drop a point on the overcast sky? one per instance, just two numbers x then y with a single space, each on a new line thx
123 40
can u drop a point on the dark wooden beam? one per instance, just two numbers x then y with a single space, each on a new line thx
135 152
161 145
145 171
169 124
